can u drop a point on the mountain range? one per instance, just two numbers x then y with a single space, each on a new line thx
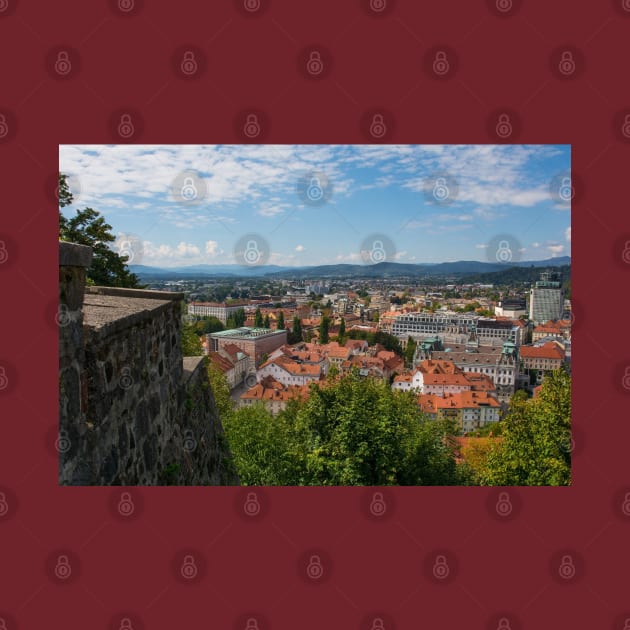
378 270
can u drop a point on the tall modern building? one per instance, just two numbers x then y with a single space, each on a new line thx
546 298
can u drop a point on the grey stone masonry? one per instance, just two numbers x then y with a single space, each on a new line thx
132 410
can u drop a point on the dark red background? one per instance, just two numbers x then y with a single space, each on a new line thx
255 568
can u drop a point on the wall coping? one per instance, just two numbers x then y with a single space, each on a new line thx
135 293
74 255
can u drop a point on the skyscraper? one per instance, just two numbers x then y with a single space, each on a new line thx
546 298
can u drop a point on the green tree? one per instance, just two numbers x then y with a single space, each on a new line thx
267 322
221 391
342 327
410 351
353 431
280 321
88 227
535 448
324 326
207 325
258 318
191 344
296 333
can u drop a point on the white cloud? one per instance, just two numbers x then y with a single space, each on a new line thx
212 248
567 234
300 248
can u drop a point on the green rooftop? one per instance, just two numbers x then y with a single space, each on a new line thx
246 332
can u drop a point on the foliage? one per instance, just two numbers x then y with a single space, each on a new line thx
191 344
88 227
206 325
389 342
535 447
295 336
324 326
280 321
169 476
220 390
352 431
236 319
410 351
266 322
258 318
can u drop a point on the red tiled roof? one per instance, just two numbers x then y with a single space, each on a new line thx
549 350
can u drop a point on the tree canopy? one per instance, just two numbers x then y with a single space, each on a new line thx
88 227
535 445
352 431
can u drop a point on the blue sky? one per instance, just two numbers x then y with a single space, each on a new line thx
322 204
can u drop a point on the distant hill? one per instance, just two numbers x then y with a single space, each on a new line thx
201 271
379 270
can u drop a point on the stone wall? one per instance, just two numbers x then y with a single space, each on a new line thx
132 410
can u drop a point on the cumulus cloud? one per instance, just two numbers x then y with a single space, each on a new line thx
300 248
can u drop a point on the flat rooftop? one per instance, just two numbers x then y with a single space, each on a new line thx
246 332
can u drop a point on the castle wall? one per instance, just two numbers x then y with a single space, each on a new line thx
132 410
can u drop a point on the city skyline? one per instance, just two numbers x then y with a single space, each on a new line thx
190 204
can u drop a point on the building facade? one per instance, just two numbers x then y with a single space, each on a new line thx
255 342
